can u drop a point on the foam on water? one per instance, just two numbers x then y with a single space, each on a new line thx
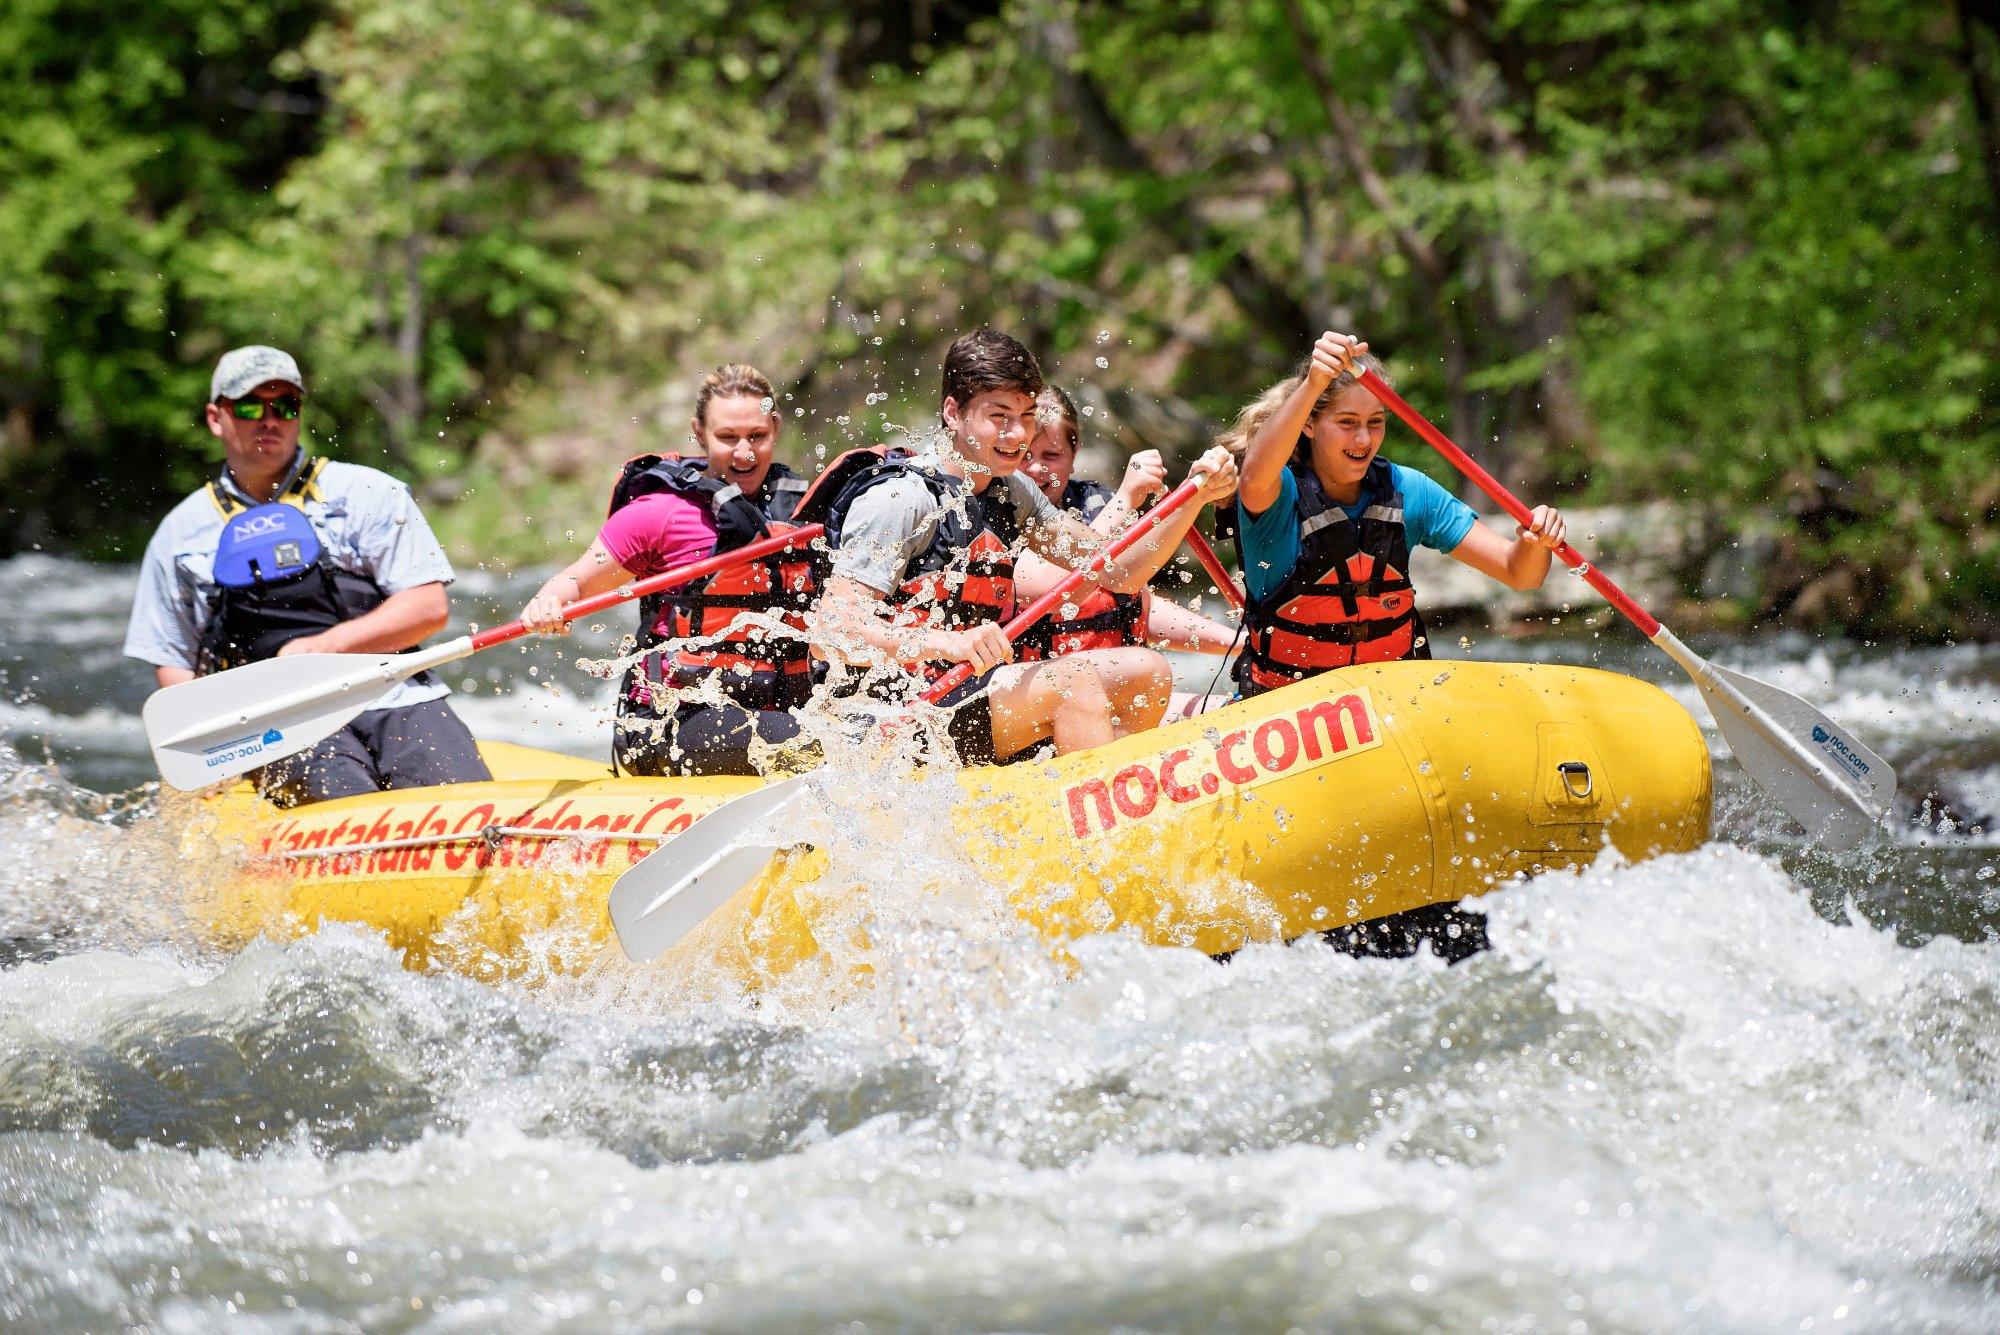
1742 1116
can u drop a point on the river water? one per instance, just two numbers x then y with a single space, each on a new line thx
1748 1088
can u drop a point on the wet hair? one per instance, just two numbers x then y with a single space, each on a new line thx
1260 409
986 360
731 381
1053 408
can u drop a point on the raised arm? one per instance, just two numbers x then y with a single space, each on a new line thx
1270 449
1069 542
1145 477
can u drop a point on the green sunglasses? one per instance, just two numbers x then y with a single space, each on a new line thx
285 408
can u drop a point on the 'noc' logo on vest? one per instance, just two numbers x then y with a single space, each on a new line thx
256 525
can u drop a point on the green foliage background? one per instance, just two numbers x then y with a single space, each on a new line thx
1740 252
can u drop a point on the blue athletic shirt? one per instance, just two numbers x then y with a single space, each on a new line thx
1432 517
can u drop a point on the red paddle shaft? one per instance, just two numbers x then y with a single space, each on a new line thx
671 579
1045 604
1648 625
1216 570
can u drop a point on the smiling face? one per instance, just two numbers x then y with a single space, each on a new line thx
738 437
1345 438
991 432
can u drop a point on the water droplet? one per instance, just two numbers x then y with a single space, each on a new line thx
1104 336
1103 363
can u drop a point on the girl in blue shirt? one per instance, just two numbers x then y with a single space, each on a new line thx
1324 528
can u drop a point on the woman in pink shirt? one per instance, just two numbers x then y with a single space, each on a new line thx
716 687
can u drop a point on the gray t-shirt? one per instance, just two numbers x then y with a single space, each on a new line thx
891 523
367 521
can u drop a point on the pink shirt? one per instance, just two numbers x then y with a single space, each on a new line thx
658 533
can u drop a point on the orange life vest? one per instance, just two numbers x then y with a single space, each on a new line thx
757 668
1348 600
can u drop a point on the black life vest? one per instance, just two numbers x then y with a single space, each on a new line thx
1101 619
964 575
275 582
757 668
1348 600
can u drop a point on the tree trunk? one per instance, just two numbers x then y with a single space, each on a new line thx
1978 34
1535 319
410 395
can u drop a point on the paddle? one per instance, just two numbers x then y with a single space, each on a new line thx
1817 771
220 726
675 887
1216 570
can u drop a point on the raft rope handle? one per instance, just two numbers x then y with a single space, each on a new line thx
490 835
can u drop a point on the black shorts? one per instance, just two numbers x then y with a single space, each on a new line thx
971 725
698 739
414 746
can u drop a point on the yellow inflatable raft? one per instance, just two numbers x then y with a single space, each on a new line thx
1358 794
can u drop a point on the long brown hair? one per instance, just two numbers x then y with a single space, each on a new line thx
1261 409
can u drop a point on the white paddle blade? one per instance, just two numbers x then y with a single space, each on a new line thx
215 728
1817 770
673 889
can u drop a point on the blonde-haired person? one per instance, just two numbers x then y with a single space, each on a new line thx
1324 528
671 511
1099 619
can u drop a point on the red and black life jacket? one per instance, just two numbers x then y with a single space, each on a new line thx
1348 600
964 574
285 598
1102 619
757 668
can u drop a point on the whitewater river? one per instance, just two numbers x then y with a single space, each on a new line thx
1749 1088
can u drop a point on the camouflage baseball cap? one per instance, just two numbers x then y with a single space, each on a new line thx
243 369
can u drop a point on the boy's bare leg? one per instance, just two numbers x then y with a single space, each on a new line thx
1082 700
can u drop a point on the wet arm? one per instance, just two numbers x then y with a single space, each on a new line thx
1264 459
592 573
403 620
1171 626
